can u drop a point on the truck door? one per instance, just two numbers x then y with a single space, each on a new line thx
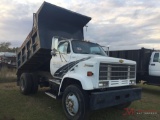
154 66
62 56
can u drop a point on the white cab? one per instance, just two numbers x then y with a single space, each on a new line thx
154 65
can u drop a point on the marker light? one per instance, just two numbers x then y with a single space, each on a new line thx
89 73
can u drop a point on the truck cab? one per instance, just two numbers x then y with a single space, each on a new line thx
88 63
154 64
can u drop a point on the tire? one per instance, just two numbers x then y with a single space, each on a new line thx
25 83
122 106
75 97
34 87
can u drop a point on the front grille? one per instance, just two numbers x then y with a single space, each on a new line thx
116 71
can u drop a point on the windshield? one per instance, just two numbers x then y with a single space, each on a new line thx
83 47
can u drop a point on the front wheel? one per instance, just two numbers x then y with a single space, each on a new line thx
75 103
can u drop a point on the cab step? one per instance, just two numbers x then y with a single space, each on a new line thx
52 95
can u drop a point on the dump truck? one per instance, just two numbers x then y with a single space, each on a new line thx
55 55
148 63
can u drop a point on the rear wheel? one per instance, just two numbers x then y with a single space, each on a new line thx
75 103
25 83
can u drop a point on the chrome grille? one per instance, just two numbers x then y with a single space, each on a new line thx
116 71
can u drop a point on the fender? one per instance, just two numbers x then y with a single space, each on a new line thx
86 83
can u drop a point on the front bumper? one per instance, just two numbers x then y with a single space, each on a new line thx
105 99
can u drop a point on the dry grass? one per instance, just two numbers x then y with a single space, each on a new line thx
7 75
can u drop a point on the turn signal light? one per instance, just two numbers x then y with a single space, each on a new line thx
89 73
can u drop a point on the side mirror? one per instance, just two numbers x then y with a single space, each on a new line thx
159 60
53 52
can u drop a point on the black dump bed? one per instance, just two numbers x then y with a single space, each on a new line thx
49 21
141 56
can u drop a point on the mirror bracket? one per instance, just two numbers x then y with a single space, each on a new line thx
53 52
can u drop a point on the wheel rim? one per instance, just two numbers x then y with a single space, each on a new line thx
72 105
22 84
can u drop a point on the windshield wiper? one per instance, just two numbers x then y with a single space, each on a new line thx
85 53
97 53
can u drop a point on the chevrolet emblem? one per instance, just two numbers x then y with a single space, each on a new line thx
121 61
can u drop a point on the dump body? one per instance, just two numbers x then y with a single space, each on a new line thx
49 21
141 56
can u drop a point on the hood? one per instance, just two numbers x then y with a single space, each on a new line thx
105 59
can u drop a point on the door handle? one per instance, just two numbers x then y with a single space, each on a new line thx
152 64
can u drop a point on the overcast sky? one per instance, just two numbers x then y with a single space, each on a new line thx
121 24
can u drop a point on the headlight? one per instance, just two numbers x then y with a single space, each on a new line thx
104 84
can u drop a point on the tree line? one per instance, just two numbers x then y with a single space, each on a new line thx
5 47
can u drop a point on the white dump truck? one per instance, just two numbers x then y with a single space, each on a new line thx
79 72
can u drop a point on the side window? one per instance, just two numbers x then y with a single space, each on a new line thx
156 57
64 47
